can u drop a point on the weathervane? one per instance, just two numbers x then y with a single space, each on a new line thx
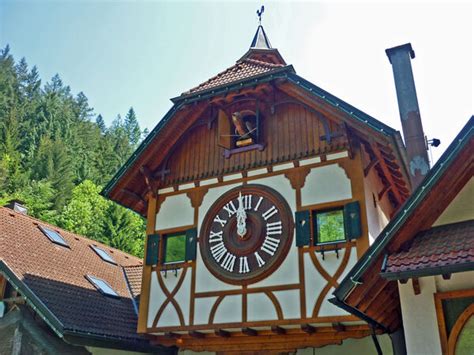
260 13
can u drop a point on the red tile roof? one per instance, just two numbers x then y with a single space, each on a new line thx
436 249
56 275
244 69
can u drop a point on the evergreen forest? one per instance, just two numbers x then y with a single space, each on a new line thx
56 154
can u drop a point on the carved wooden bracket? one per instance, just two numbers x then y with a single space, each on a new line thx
150 182
297 177
197 195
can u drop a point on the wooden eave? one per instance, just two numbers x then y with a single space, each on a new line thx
364 292
131 185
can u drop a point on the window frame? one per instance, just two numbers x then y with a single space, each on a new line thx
164 244
92 279
315 226
46 231
96 249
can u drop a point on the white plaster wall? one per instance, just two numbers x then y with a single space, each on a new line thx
352 261
169 317
461 208
314 284
183 297
419 317
376 219
230 310
458 281
176 211
210 197
325 184
260 307
361 346
157 298
289 302
202 309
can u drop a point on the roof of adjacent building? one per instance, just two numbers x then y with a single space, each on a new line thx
444 181
52 278
442 249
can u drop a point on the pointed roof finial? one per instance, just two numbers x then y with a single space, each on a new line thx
260 13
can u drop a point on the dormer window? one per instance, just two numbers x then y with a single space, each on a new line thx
54 236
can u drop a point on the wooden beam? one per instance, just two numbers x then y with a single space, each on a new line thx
133 195
150 182
172 335
384 190
370 166
222 333
339 327
307 328
278 330
196 334
249 331
416 285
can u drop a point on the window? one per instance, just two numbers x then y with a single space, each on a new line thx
103 254
329 226
102 286
174 248
53 236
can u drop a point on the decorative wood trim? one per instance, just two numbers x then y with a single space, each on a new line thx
214 308
278 330
170 297
302 284
197 195
147 269
222 333
150 182
297 177
416 286
247 290
254 324
249 332
196 334
307 328
369 166
275 303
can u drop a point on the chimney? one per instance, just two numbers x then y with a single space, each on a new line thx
17 206
415 140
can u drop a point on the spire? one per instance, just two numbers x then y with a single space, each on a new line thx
260 48
260 40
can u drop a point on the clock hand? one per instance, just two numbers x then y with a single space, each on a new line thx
241 217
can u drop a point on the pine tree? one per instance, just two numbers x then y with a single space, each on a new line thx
132 127
101 124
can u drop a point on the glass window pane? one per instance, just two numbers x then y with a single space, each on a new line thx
330 226
103 286
103 254
55 237
175 248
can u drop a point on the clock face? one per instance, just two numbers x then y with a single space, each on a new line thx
246 234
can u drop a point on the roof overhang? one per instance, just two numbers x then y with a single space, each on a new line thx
444 181
187 108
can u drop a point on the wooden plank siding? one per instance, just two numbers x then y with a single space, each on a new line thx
292 132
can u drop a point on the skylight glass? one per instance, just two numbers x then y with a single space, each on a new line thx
54 236
103 254
102 286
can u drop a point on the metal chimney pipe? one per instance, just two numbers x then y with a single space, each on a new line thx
415 140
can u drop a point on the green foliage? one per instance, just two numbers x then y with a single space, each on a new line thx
54 156
175 248
330 226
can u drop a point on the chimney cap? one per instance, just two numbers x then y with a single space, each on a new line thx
404 47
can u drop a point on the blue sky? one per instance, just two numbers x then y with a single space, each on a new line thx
141 53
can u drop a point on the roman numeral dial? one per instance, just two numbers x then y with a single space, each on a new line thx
246 234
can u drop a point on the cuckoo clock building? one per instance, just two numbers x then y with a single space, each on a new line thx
261 191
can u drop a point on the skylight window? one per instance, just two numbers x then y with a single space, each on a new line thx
102 286
103 254
53 236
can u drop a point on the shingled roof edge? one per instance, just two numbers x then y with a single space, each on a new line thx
352 278
32 299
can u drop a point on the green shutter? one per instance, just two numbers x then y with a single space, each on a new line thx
191 244
152 248
303 229
352 220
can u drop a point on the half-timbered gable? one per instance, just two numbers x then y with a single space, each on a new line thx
261 191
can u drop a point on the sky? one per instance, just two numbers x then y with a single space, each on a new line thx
142 53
